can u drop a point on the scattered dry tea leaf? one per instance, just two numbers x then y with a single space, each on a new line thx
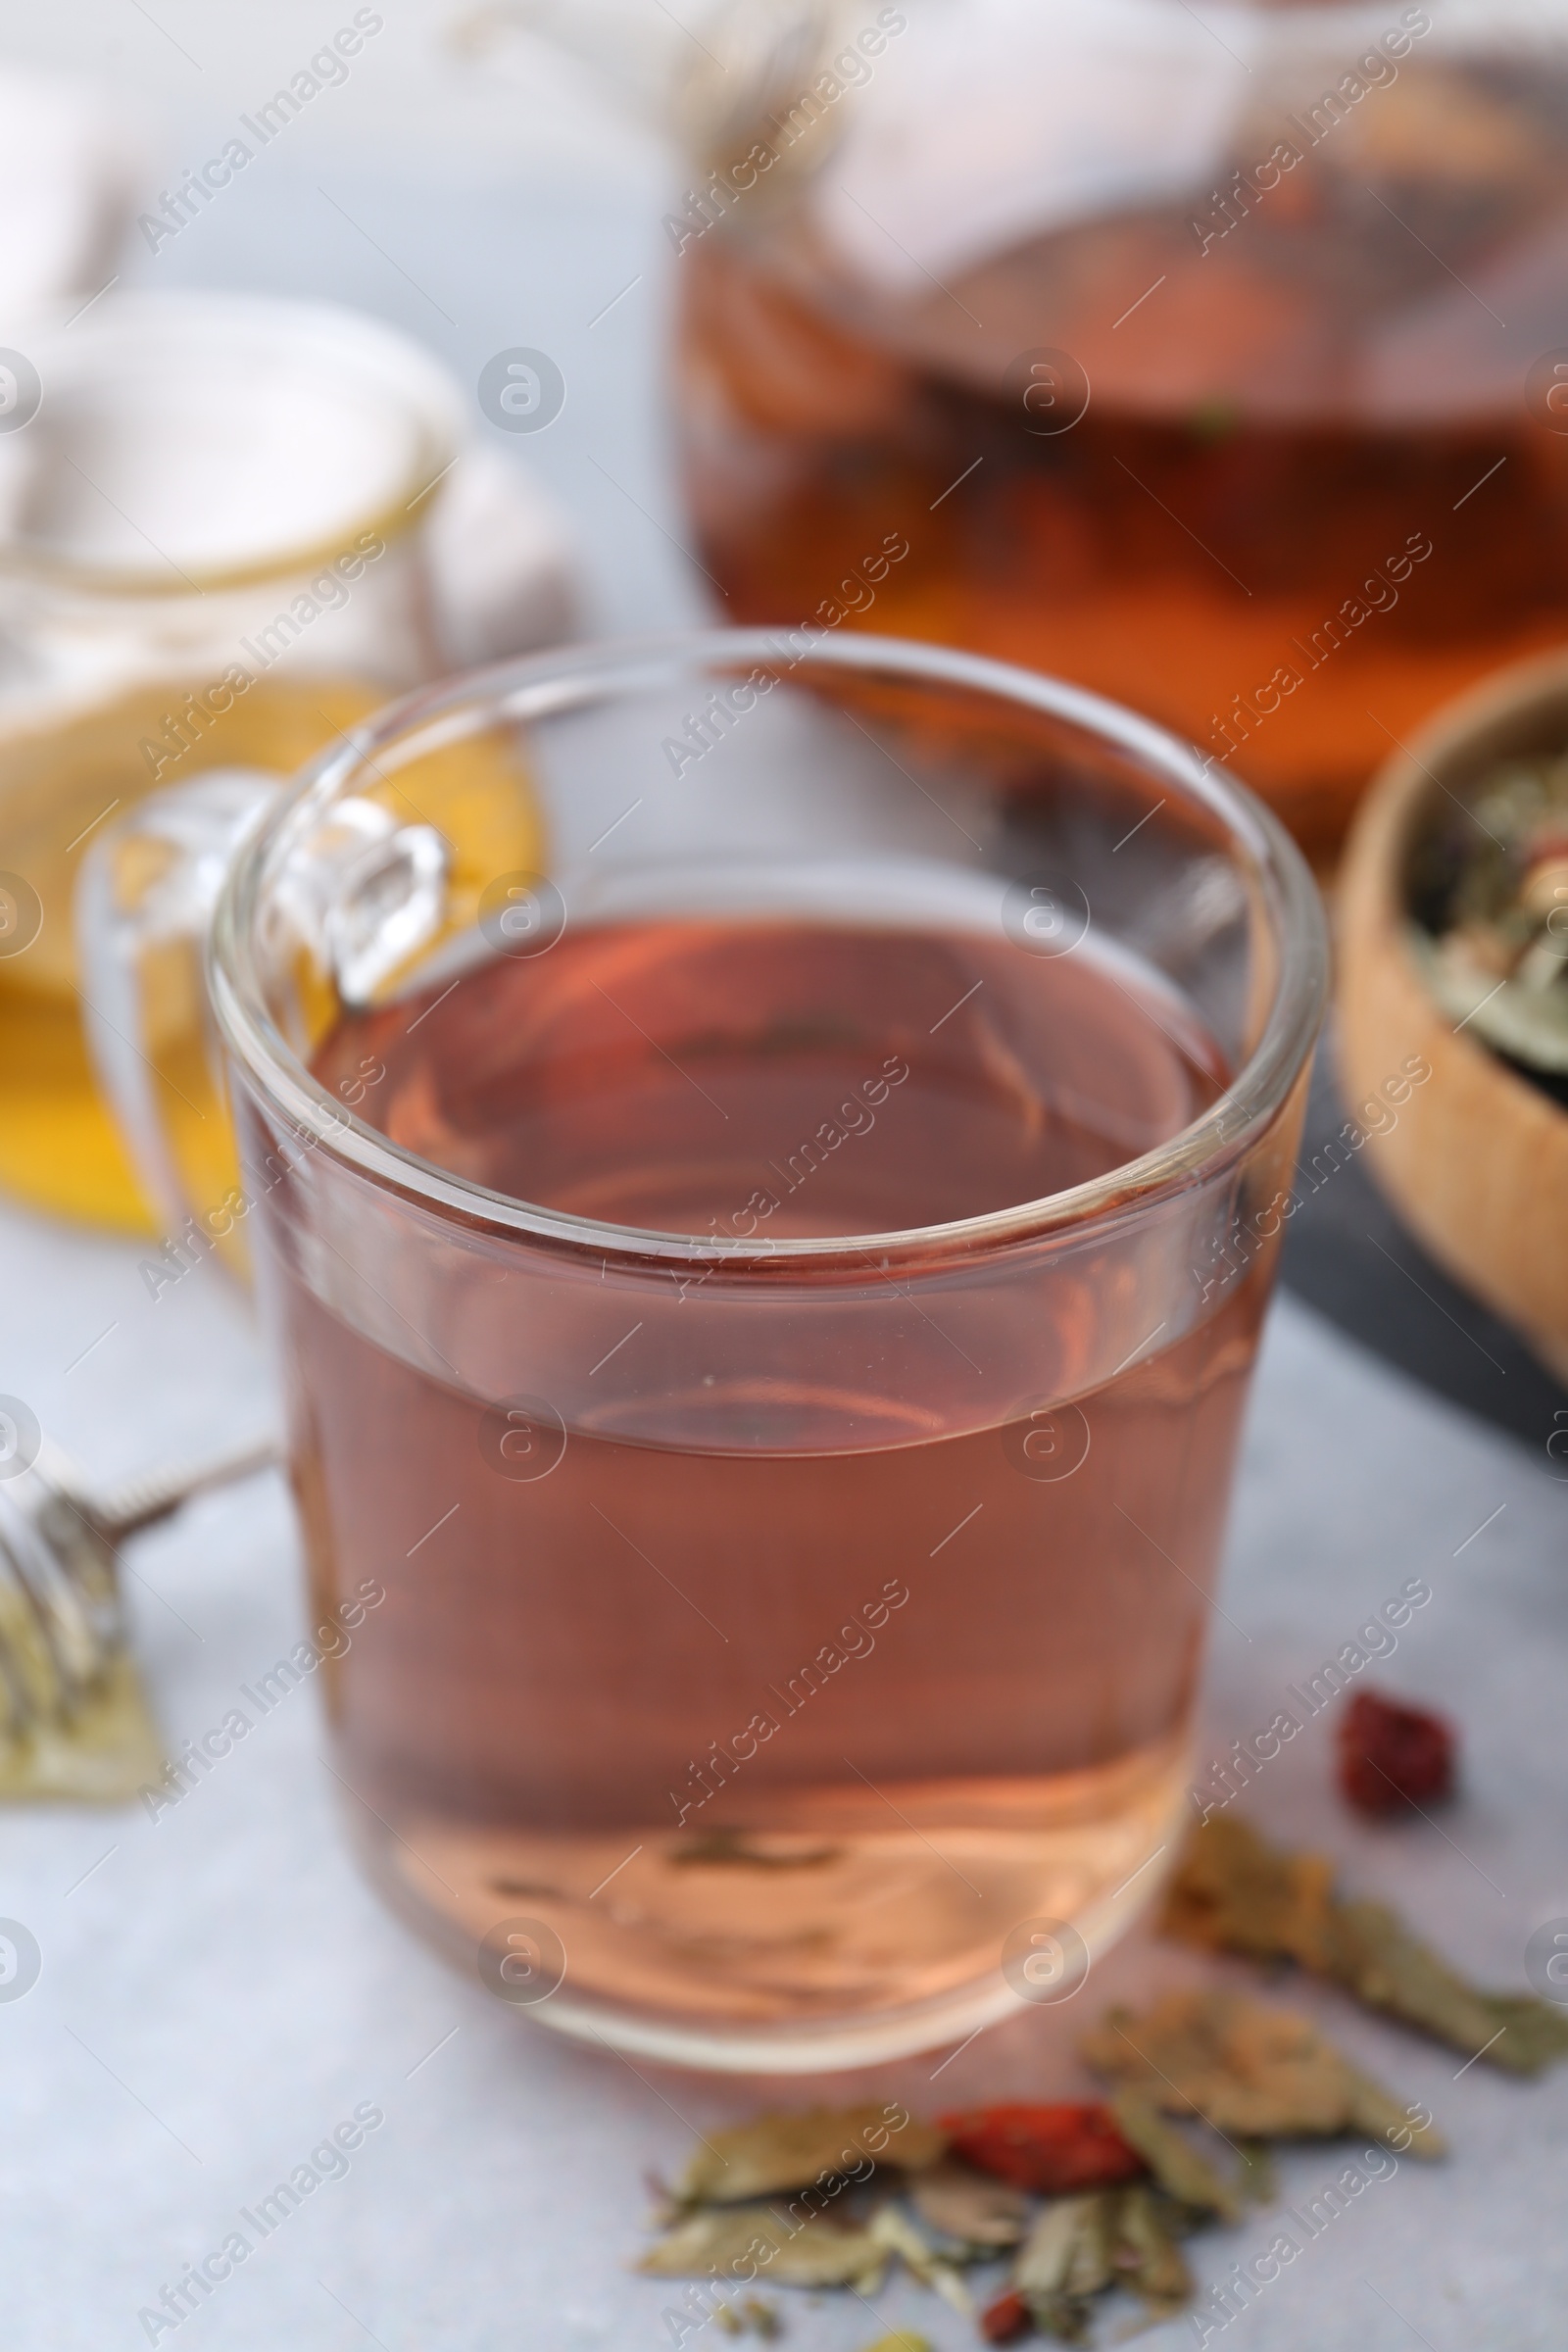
894 2230
901 2341
1535 2034
750 2313
1068 2256
1378 1959
780 2153
1250 2070
1082 2244
1068 2251
1146 2256
1182 2171
746 2241
1234 1891
961 2204
1259 2175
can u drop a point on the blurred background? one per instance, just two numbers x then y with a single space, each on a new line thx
472 193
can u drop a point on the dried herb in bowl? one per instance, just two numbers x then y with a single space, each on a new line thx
1489 895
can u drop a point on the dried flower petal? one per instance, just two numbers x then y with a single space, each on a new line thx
1070 2144
1006 2319
1393 1759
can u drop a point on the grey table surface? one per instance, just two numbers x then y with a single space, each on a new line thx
219 1989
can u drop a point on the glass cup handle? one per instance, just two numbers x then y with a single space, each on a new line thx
144 904
362 891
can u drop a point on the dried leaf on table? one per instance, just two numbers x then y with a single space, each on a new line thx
1066 2258
749 2314
1378 1959
960 2204
1146 2256
1535 2034
1068 2251
1234 1891
780 2153
747 2242
901 2341
1182 2171
1259 2175
894 2230
1252 2071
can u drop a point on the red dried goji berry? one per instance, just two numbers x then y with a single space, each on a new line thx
1069 2145
1006 2319
1392 1758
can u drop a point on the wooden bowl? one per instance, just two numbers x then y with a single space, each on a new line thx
1477 1163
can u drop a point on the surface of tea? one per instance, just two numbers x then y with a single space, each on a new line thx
780 1689
693 1077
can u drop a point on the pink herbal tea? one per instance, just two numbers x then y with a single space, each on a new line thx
780 1687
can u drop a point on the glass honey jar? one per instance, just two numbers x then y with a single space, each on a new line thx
211 522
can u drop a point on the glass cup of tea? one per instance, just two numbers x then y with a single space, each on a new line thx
765 1299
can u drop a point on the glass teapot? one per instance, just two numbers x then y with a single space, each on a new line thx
1209 356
